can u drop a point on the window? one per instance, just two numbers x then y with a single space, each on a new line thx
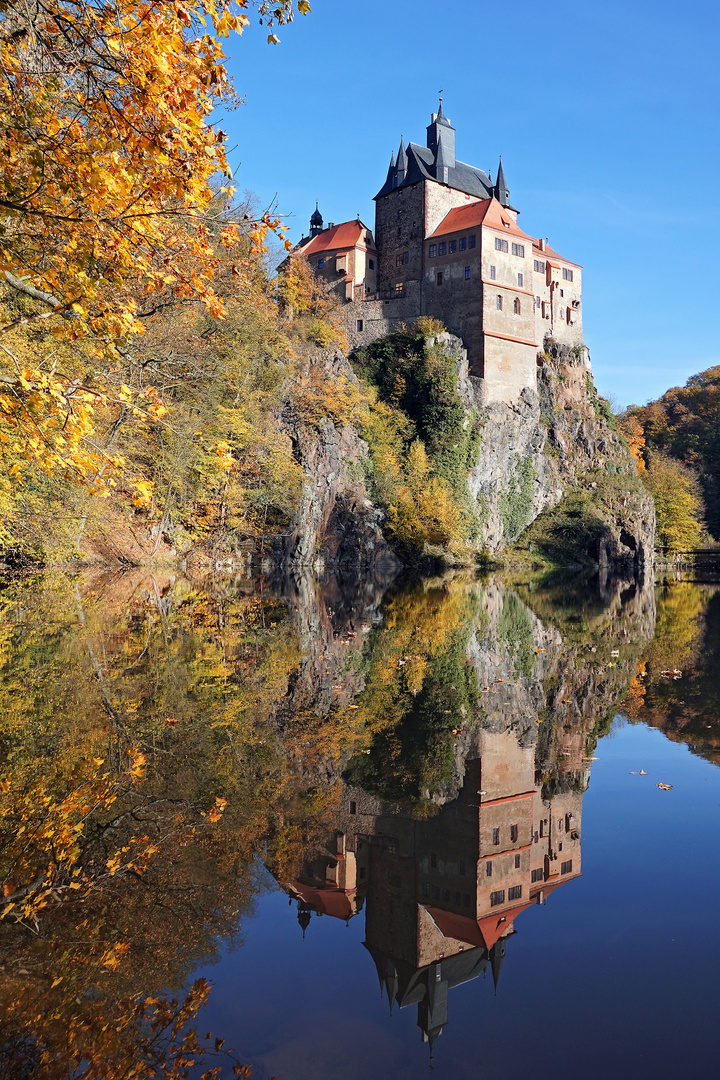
567 275
517 862
520 281
456 899
402 259
439 278
501 245
515 892
426 887
488 869
436 892
496 836
467 273
518 249
537 301
471 241
492 273
535 840
463 243
497 898
452 247
513 834
371 264
433 860
441 249
543 829
562 292
358 327
461 869
539 266
566 867
446 896
321 263
560 313
516 306
536 875
433 251
352 808
546 315
466 900
498 302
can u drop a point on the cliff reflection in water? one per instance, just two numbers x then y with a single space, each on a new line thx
443 880
420 752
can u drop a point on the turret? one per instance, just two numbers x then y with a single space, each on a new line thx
441 141
402 163
316 222
500 190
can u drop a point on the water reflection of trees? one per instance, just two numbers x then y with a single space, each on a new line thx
675 687
443 872
256 702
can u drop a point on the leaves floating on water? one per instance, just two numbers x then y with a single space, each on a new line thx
665 787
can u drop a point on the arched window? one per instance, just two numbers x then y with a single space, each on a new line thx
516 306
498 302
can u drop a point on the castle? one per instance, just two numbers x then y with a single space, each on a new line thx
447 245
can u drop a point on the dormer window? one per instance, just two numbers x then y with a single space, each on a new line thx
321 263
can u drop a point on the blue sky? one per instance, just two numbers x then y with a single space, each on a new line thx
605 116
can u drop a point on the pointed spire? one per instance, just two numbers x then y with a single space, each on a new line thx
500 191
497 955
316 222
402 161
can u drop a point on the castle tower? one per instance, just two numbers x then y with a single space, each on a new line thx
500 191
316 222
441 142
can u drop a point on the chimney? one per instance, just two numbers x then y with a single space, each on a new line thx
542 245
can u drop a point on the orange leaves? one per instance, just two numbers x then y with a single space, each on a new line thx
216 812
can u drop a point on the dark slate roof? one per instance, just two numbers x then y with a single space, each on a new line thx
420 166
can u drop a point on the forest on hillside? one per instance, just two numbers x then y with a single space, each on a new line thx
148 361
676 441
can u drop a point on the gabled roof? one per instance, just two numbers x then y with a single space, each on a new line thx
341 237
485 212
548 254
420 164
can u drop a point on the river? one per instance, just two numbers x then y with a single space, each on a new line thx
450 825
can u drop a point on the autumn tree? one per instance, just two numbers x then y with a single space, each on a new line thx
678 502
107 161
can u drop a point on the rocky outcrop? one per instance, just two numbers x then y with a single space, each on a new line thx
560 438
337 525
555 449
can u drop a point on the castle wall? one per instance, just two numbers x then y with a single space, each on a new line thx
399 228
557 295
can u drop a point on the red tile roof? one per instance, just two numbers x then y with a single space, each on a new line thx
341 237
328 901
549 255
484 212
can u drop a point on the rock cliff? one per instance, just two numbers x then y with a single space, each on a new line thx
553 457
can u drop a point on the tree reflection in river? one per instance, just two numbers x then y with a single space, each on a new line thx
462 715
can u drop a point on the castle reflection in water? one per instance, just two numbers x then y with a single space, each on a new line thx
442 894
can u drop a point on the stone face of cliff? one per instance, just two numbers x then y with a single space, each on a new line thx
337 525
559 439
555 451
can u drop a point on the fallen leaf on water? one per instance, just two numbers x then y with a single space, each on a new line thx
633 773
665 787
643 773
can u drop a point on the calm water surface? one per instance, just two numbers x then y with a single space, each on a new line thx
444 846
